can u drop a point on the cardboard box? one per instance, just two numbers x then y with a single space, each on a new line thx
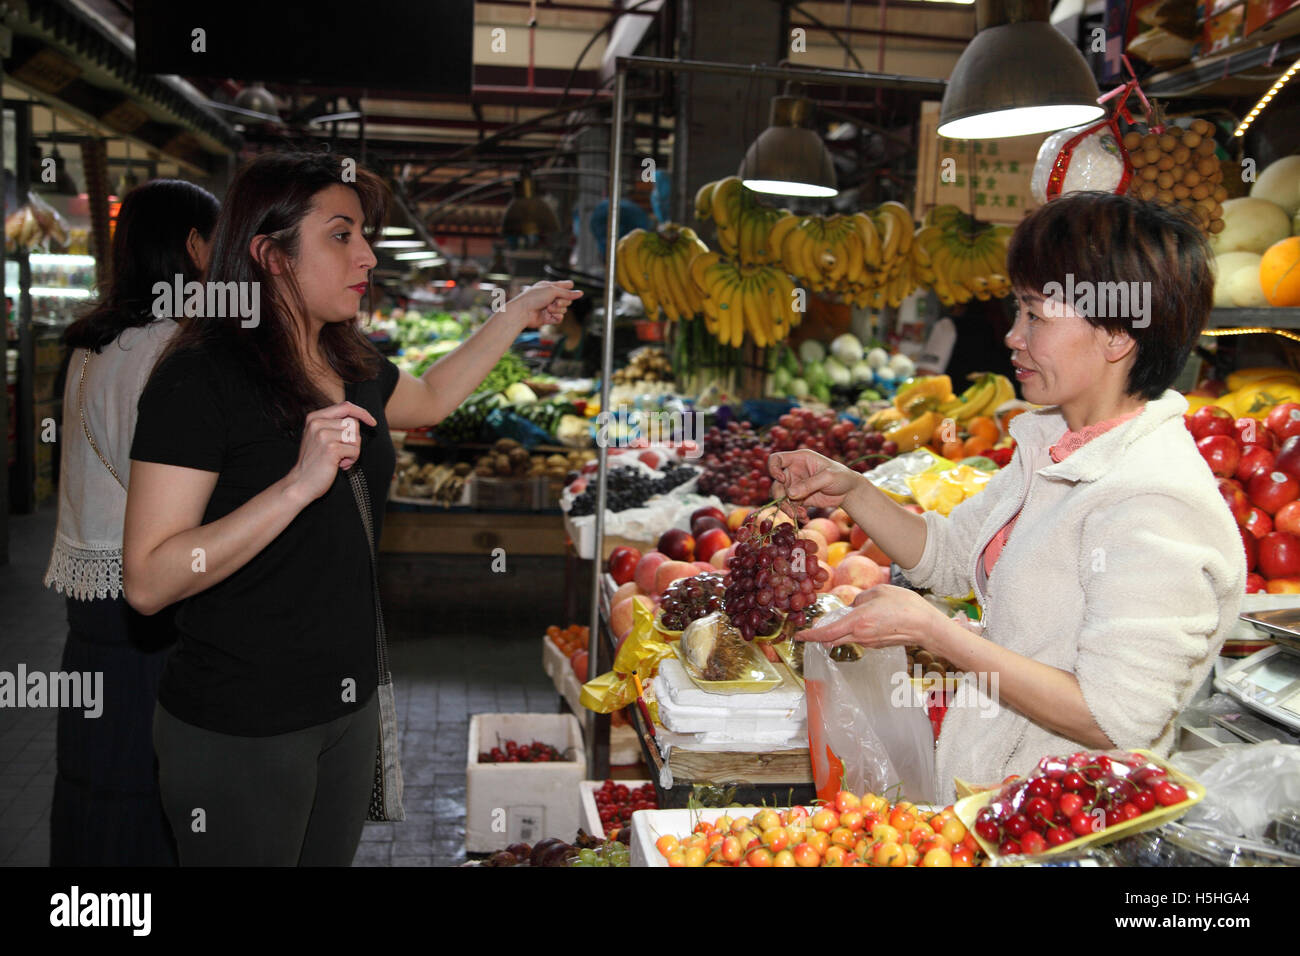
1221 31
522 802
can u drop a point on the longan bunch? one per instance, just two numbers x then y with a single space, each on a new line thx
1178 167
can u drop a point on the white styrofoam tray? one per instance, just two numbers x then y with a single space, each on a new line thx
509 803
587 796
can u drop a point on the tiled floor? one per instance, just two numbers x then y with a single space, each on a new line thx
488 665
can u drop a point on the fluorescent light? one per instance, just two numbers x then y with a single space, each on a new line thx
54 292
399 244
54 259
779 188
398 231
428 254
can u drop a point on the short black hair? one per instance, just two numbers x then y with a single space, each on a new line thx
1099 238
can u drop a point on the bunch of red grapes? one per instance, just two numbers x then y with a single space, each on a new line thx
772 576
840 440
689 599
735 465
1071 797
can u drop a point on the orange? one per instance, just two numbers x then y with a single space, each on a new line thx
952 450
977 445
984 427
1006 417
1279 272
835 553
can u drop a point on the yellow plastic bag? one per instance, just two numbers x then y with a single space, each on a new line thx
640 655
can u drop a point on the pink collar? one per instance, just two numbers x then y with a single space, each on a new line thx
1071 442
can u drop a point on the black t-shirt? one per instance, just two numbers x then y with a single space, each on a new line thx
269 649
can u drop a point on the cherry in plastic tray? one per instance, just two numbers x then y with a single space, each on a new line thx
968 808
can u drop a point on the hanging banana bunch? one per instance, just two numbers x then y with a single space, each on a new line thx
960 257
757 299
656 266
743 223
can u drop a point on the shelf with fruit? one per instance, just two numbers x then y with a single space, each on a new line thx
925 412
1256 251
1257 464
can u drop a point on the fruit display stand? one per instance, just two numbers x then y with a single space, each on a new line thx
530 800
624 750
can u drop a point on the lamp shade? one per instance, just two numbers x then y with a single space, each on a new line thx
1018 76
529 216
789 158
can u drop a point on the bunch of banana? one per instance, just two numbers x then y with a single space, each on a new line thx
961 258
738 298
982 398
743 223
656 267
894 223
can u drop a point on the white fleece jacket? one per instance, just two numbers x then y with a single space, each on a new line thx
1125 569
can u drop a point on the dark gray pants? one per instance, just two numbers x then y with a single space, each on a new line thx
296 799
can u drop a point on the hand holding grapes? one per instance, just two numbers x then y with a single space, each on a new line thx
811 479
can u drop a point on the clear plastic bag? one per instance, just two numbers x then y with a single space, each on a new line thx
1246 786
868 729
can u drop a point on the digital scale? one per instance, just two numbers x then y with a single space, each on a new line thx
1268 681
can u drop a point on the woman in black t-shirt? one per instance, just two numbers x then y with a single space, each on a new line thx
239 508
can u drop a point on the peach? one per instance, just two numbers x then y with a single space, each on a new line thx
703 566
621 615
837 552
737 517
846 593
624 592
720 558
859 571
830 578
644 576
815 536
711 542
842 521
670 571
826 527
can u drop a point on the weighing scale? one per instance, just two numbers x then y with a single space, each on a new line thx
1268 681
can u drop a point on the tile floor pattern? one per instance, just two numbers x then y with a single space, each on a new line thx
440 682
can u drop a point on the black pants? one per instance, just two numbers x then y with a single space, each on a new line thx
107 810
296 799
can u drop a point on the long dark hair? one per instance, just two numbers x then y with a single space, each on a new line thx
271 197
148 247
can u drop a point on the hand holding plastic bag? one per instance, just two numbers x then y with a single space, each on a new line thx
868 729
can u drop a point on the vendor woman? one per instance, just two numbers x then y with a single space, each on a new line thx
1107 565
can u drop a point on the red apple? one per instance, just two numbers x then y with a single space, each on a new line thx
1272 490
713 540
1279 555
679 545
1258 523
1255 583
1251 431
651 459
1235 498
1288 519
1251 544
1221 453
708 511
1254 459
1284 420
1211 420
1288 456
622 564
1283 586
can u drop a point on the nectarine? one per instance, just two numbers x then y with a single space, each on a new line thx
645 570
859 571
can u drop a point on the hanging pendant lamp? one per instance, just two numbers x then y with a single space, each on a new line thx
1019 75
789 157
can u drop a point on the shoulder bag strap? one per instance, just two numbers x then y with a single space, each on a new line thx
361 492
85 427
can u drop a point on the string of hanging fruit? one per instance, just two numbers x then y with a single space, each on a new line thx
751 286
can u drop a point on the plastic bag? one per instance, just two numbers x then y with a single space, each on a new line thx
1094 162
1246 786
868 729
638 655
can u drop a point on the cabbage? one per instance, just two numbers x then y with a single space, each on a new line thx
799 388
781 380
886 375
837 372
877 358
520 394
812 351
902 366
862 372
814 373
847 349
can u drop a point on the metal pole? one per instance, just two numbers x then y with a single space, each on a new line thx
594 768
818 76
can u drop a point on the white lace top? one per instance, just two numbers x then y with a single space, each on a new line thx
86 562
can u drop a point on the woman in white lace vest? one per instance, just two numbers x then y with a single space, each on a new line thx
107 811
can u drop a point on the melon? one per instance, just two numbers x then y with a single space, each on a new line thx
1226 265
1251 225
1245 290
1280 183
